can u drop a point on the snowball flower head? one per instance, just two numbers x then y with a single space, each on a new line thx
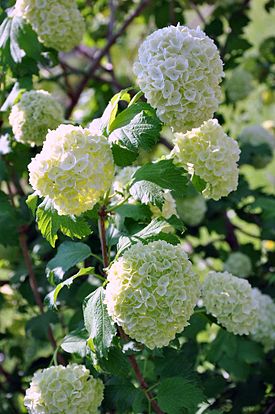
238 264
152 292
74 169
58 23
33 115
179 70
231 300
62 390
265 329
239 85
212 155
192 209
256 135
168 208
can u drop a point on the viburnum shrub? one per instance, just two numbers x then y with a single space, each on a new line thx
137 242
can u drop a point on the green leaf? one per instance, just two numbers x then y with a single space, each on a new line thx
98 323
111 110
76 342
38 325
137 127
68 255
164 174
154 228
137 212
198 183
121 394
31 202
17 52
49 223
147 192
51 298
122 156
116 363
177 393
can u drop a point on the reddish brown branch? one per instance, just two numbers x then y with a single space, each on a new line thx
102 235
103 52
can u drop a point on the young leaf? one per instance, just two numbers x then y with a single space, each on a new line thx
68 255
98 323
76 342
31 202
49 222
123 156
17 52
51 298
164 174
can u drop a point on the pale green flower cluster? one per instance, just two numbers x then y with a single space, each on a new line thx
239 85
60 390
169 207
152 292
238 264
192 209
210 154
58 23
231 300
179 70
74 169
33 115
265 329
256 135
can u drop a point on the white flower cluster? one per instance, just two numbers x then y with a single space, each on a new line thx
239 85
59 390
231 300
256 135
192 209
152 292
265 329
238 264
179 70
168 208
58 23
210 154
33 115
74 169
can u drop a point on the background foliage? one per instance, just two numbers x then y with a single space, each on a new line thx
205 366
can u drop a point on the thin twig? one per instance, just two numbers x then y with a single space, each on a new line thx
103 52
230 236
270 408
102 235
197 10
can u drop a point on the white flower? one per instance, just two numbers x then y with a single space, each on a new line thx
59 390
192 209
238 264
34 115
256 135
231 300
152 292
74 169
210 154
265 329
179 70
58 23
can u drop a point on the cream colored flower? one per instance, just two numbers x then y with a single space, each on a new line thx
179 70
59 390
34 115
58 23
74 169
152 292
231 300
265 329
210 154
238 264
192 209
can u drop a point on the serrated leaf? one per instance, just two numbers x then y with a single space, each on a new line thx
164 174
121 393
98 323
147 192
76 342
154 228
123 156
51 298
177 393
31 202
135 211
198 183
68 255
111 110
49 223
116 364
